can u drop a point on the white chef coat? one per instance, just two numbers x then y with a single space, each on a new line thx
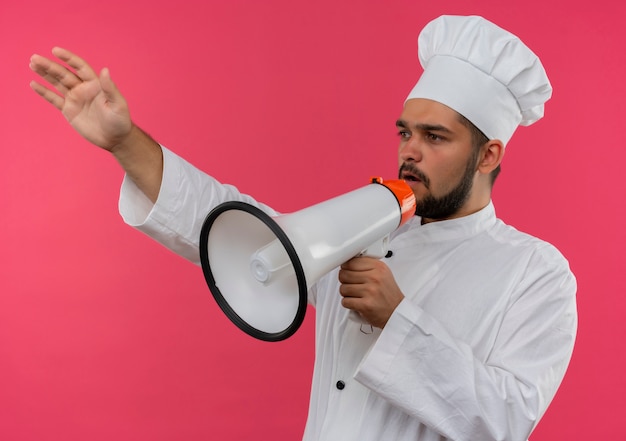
475 351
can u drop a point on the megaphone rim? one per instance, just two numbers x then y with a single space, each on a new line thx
293 256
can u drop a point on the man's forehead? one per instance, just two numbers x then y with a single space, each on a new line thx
425 113
423 126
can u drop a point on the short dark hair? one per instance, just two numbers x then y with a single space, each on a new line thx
478 140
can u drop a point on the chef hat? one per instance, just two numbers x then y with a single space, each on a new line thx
483 72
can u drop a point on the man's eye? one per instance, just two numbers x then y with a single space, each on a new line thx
433 137
403 134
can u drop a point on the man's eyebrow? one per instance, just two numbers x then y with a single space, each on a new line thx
425 127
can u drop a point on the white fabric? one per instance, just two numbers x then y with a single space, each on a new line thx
476 351
483 72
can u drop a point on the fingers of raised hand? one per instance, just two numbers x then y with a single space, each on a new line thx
48 95
61 78
83 70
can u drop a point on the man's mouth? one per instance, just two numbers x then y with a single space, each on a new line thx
412 174
410 177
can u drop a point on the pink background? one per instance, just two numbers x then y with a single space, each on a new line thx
105 335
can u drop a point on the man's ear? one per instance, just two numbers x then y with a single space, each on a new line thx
491 156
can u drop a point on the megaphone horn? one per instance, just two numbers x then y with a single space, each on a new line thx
259 268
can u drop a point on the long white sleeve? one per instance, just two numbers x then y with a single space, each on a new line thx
465 393
475 351
186 196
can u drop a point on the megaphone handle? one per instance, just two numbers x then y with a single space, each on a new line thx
378 249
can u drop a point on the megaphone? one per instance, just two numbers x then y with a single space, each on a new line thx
259 268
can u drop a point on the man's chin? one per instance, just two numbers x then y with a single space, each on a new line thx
434 209
419 190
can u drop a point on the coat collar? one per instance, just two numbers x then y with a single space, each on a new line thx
454 229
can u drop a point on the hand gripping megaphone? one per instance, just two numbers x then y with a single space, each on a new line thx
259 268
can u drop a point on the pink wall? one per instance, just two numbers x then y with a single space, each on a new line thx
104 335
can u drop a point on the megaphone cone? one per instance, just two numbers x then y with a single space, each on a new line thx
259 268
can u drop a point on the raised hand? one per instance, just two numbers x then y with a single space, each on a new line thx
92 104
98 111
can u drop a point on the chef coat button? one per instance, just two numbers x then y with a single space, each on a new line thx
340 385
389 254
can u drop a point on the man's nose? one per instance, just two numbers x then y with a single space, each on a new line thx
410 150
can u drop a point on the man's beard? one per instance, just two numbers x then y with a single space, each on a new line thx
443 207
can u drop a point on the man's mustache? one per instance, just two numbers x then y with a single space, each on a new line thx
411 169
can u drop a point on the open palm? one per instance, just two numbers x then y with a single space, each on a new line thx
91 103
